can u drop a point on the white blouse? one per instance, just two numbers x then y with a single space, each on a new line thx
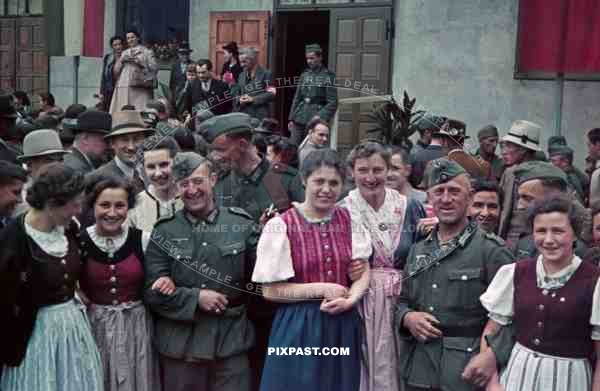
498 299
274 255
54 243
112 244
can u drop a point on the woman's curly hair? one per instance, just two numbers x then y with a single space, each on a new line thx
55 186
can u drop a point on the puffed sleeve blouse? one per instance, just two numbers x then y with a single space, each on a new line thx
498 299
274 254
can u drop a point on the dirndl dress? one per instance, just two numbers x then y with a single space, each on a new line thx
61 352
113 279
297 250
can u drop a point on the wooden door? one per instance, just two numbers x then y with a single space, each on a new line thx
7 54
360 46
31 56
248 29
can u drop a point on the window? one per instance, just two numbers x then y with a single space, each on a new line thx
558 37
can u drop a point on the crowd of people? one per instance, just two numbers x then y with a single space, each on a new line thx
215 253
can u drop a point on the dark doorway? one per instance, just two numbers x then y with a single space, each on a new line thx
292 31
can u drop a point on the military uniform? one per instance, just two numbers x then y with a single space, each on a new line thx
218 254
270 183
446 280
316 95
447 286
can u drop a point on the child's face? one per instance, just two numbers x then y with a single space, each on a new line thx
596 228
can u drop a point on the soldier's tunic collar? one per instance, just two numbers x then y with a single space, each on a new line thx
459 240
211 218
256 175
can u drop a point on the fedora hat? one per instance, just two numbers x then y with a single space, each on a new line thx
41 143
128 122
94 121
525 134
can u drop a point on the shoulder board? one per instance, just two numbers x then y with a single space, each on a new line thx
495 238
240 212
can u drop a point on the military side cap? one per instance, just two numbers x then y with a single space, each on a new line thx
539 170
561 150
441 171
313 48
227 124
185 163
487 131
430 121
557 140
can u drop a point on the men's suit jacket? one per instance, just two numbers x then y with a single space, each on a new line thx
177 79
262 106
217 99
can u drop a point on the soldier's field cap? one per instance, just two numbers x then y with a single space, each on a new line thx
227 124
185 163
531 170
562 151
487 131
313 48
441 171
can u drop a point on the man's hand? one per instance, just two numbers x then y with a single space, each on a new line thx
356 269
246 99
164 285
212 301
480 369
336 306
422 325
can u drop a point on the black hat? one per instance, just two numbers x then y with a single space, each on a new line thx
7 106
184 48
95 121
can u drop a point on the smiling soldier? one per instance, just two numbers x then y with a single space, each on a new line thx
202 331
439 316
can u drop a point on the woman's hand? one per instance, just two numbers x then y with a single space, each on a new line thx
336 306
334 291
164 285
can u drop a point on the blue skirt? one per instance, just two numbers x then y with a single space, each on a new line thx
303 325
61 354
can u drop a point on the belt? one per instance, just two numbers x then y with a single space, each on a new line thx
461 331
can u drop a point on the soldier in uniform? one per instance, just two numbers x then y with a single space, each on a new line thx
253 183
439 316
316 95
202 330
562 157
488 140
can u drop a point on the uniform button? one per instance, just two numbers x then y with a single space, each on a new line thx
178 256
203 286
463 277
329 273
562 299
246 182
431 309
537 341
540 324
113 291
203 265
235 252
553 295
63 261
204 244
545 292
66 276
324 234
328 259
326 247
469 350
434 286
115 302
113 267
322 223
113 279
541 307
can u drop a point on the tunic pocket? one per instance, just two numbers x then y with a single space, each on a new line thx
456 353
464 288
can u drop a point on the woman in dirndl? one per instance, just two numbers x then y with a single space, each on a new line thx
390 219
112 283
553 301
48 344
303 258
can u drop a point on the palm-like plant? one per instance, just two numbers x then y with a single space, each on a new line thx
395 122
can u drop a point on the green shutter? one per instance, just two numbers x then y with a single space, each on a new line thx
55 28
